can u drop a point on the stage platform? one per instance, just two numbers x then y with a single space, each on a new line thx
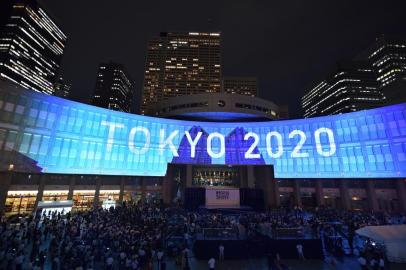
228 208
257 247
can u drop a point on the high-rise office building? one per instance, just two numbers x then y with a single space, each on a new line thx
114 88
387 55
181 63
31 45
352 87
247 86
62 88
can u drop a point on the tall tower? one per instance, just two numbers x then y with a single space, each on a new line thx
114 88
352 87
31 45
387 55
181 63
247 86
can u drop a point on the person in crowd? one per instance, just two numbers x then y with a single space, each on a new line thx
221 252
160 257
362 262
381 263
212 263
299 249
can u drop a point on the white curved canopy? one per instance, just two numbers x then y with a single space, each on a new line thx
392 236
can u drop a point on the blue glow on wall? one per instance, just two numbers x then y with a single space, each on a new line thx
53 135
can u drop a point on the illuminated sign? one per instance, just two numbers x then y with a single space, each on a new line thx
53 135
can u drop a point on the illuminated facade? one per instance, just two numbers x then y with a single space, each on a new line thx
52 135
247 86
352 87
31 45
114 88
180 63
55 148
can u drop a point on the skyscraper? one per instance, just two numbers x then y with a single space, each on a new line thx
31 45
387 55
62 88
181 63
247 86
352 87
114 88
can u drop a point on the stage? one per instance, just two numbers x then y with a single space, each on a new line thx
223 198
257 247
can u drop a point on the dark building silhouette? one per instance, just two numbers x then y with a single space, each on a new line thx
387 55
31 45
62 88
114 88
352 87
181 63
247 86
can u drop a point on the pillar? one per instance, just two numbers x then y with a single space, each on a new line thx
167 185
372 201
275 193
189 175
268 184
401 190
97 193
41 188
5 183
121 194
243 176
296 193
319 193
72 181
345 197
250 180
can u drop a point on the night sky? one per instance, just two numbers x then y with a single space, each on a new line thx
288 45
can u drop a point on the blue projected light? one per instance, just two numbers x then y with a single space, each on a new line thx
52 135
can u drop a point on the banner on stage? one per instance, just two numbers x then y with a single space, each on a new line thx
222 197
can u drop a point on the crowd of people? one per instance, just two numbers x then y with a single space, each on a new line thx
127 237
132 236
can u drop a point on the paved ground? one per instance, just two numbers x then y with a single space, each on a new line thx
348 263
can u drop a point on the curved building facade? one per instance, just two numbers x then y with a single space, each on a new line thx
59 149
220 107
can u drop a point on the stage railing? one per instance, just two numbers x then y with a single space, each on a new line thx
220 233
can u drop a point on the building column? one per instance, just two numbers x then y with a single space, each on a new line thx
401 190
41 188
167 185
319 193
345 197
275 194
121 194
296 193
268 184
250 180
5 183
97 193
72 181
372 201
189 175
242 171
